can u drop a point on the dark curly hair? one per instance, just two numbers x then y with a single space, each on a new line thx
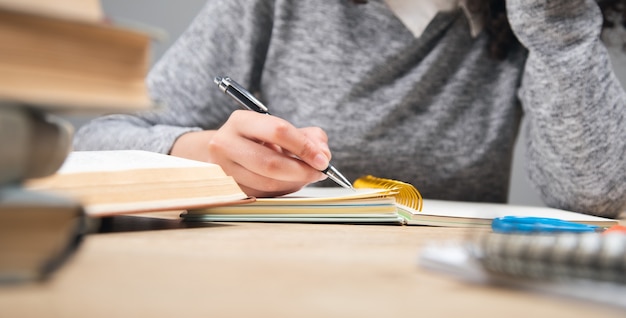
496 24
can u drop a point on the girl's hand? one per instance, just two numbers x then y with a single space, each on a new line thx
266 155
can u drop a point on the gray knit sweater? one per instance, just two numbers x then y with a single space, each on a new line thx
437 111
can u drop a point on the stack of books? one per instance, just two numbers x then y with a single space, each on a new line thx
55 57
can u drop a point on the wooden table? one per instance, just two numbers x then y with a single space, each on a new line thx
160 267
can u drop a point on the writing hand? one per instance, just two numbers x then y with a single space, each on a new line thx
266 155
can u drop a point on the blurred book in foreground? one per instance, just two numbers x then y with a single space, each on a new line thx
58 63
38 233
81 10
584 266
55 57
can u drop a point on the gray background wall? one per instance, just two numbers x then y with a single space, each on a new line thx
174 16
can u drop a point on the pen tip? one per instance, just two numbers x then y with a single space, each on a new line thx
336 176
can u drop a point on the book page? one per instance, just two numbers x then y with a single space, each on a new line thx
119 160
456 213
330 194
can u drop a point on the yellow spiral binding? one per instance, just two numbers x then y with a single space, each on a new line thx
406 195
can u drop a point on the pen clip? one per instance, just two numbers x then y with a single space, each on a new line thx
228 86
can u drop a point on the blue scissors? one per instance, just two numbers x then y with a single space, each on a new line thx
514 224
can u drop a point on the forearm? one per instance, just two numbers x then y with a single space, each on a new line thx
574 106
128 132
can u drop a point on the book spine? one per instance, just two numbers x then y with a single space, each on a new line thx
38 233
34 143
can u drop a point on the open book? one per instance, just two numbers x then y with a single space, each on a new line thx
378 200
130 181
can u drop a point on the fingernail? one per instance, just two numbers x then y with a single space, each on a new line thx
320 162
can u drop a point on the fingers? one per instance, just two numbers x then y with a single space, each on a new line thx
314 133
309 145
266 155
319 136
260 159
260 170
260 186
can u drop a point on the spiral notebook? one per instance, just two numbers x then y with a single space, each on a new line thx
376 200
587 266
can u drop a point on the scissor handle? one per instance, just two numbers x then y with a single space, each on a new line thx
514 224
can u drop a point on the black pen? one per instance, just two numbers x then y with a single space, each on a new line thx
248 101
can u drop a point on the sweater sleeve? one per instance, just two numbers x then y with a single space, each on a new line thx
227 38
574 106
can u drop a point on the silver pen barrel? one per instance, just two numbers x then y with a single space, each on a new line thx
336 176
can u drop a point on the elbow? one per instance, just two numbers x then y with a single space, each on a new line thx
605 198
